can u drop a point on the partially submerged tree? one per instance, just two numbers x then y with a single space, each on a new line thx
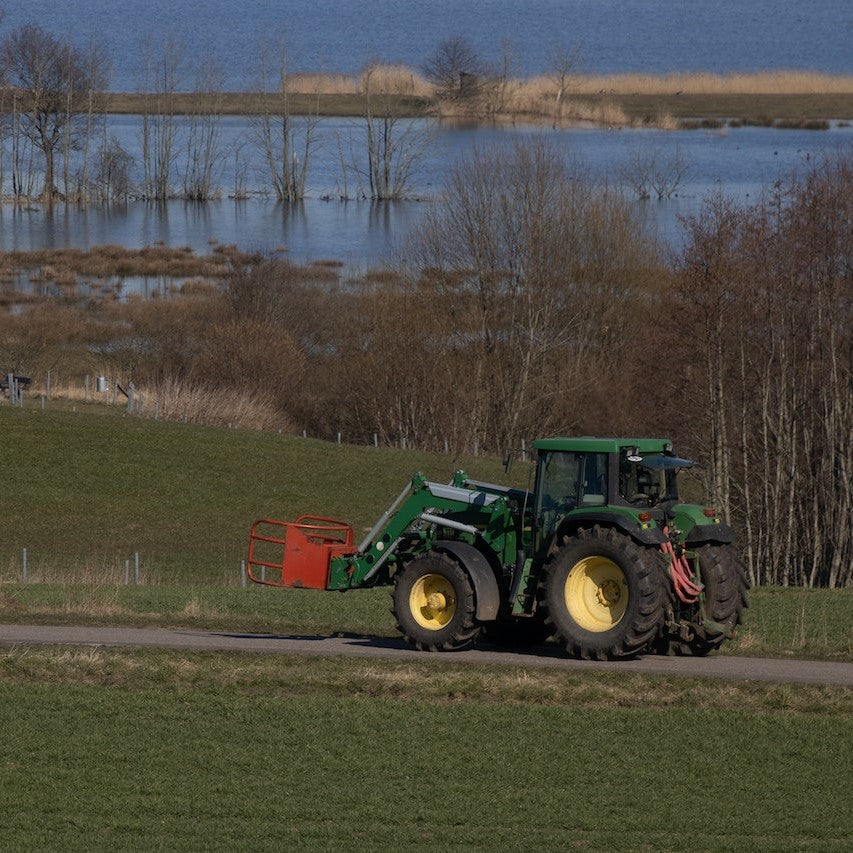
285 141
55 83
161 79
394 143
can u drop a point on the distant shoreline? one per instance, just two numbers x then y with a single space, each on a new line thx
833 105
673 101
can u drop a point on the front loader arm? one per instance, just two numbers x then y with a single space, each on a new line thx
423 506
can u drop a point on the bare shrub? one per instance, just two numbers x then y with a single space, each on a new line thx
652 170
454 68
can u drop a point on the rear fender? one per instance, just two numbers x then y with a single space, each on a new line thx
716 533
486 592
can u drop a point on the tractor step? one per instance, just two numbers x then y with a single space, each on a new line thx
297 553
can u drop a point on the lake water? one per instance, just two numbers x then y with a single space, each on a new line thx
738 161
340 35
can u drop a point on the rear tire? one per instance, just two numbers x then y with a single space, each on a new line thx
434 604
603 595
725 582
725 585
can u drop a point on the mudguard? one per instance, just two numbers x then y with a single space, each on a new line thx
701 533
486 590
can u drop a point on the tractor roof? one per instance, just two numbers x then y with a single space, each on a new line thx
589 444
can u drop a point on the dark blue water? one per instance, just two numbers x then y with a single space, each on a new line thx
341 35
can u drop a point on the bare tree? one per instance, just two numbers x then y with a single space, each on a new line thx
203 127
394 143
564 63
56 81
454 68
772 285
518 294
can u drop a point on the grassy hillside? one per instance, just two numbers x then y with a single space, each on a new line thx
85 490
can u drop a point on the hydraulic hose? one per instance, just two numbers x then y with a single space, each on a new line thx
687 590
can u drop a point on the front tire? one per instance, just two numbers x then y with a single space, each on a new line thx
433 604
603 595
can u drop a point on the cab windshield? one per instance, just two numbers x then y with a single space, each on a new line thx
568 481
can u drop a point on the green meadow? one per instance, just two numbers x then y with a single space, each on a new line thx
155 749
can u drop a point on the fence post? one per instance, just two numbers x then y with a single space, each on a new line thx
86 388
24 567
47 386
126 572
136 567
130 398
243 573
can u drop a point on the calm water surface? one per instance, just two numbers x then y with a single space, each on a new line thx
340 35
740 162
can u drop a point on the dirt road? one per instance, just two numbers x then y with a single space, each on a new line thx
715 666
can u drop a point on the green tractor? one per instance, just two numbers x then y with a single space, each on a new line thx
600 555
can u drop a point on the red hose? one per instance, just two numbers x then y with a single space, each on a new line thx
686 588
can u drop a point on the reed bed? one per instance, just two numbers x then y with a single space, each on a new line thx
182 401
383 78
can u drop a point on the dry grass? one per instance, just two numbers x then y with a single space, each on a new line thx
699 83
394 80
312 83
439 682
181 401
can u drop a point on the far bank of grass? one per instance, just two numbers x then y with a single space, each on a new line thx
153 750
781 97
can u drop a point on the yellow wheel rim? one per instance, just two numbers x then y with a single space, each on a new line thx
432 601
596 593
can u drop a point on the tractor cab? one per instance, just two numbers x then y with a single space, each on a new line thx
595 477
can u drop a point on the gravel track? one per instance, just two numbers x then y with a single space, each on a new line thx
715 666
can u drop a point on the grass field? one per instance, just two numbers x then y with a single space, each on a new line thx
766 97
130 750
86 490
